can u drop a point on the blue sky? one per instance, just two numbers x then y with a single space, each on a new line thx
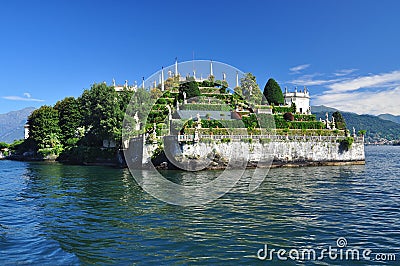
346 52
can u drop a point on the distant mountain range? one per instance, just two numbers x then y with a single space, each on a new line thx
379 128
12 124
393 118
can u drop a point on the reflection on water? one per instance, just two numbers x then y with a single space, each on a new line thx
52 213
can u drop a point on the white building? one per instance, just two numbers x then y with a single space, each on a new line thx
301 99
26 130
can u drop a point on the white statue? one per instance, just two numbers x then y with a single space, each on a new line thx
196 135
126 84
169 112
198 120
184 98
177 105
113 82
137 123
354 132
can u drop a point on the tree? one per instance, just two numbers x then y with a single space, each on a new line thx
70 118
43 123
3 145
191 89
273 92
250 89
362 132
340 123
102 113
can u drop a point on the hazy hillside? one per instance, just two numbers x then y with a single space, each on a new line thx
377 128
390 117
12 124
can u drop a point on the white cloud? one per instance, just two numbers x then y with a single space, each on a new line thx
306 81
380 80
297 69
366 102
27 97
344 72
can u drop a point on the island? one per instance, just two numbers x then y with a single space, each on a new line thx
189 123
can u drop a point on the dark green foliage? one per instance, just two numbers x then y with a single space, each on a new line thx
281 109
362 132
207 83
301 117
211 124
250 121
288 117
306 125
311 123
191 89
345 144
70 118
280 122
293 106
247 140
225 140
101 111
43 126
4 145
273 92
340 123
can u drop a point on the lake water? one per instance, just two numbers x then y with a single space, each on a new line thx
58 214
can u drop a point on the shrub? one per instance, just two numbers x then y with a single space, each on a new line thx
306 125
225 140
288 117
247 140
281 109
345 144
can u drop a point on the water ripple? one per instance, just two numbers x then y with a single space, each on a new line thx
57 214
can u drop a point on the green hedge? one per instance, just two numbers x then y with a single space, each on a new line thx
205 107
280 122
282 109
306 125
165 101
298 117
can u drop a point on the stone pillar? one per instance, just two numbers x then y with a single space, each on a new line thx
237 78
176 67
162 79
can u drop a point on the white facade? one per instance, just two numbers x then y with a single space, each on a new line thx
301 99
26 131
